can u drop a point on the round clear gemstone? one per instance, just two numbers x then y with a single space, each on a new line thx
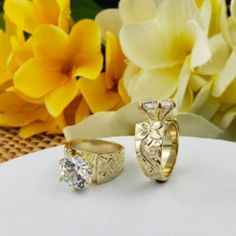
76 172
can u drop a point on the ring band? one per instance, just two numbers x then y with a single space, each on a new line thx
91 161
157 139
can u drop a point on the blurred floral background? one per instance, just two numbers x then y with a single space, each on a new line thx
81 66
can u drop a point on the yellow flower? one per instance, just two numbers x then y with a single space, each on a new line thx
170 56
108 88
13 52
29 14
32 118
61 63
167 49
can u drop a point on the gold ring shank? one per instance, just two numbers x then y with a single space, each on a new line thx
169 149
157 147
106 159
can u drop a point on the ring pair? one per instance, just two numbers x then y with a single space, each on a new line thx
97 161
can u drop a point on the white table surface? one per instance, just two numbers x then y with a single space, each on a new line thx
199 199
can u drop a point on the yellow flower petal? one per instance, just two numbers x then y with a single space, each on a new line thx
64 20
196 82
139 10
220 53
205 15
175 16
10 102
95 126
49 44
146 46
23 13
96 94
85 37
37 127
195 125
35 81
225 78
87 65
229 95
187 101
200 52
48 10
57 100
159 84
228 118
5 50
109 21
82 111
123 92
18 119
21 54
131 75
183 83
115 60
204 104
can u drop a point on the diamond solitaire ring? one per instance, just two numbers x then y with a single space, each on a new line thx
91 161
157 139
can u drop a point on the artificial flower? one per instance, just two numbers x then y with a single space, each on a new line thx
28 15
60 63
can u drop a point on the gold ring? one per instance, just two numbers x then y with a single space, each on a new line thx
91 161
157 139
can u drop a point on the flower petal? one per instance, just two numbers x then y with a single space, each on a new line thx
174 16
85 37
64 20
139 10
23 13
5 50
82 111
48 10
35 81
87 65
37 127
159 84
228 118
187 101
49 44
115 60
229 95
11 102
109 21
183 83
146 46
200 52
123 92
204 104
225 78
205 16
94 126
18 119
57 100
98 97
195 125
196 82
220 53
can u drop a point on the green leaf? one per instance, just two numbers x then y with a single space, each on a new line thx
81 9
2 23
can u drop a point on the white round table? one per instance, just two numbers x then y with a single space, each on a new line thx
199 199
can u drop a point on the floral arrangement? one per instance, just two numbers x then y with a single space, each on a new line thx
54 72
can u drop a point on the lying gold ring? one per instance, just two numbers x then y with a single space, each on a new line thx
91 161
157 139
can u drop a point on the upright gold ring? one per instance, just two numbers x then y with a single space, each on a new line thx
91 161
157 139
